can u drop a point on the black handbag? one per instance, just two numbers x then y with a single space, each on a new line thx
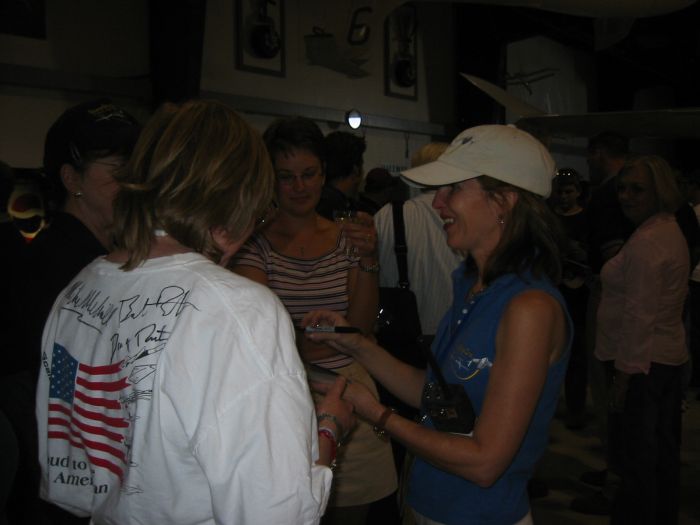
398 323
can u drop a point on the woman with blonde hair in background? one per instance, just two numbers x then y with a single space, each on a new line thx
640 337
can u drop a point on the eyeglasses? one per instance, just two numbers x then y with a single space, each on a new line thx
567 173
287 179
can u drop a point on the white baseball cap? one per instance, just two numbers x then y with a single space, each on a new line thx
505 153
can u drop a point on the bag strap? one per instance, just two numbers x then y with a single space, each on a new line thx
400 247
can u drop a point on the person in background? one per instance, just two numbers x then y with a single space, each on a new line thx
503 343
311 262
567 193
381 187
692 183
343 171
640 336
425 241
609 228
430 264
189 400
83 150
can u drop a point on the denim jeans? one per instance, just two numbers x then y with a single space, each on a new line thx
651 422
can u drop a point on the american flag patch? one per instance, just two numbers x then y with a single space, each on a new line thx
85 409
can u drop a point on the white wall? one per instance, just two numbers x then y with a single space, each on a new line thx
110 39
107 38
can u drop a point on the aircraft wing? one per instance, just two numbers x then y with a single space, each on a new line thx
659 123
505 99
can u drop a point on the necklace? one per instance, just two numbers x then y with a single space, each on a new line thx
474 292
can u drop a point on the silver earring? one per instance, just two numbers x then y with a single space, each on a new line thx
77 194
500 220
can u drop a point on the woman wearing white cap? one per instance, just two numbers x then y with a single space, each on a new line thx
504 342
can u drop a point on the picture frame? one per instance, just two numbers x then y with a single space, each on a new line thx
260 37
401 53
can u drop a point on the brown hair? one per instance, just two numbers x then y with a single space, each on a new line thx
532 237
195 167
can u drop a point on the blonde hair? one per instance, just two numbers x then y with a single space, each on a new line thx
663 180
195 167
428 153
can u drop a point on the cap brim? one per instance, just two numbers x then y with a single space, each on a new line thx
437 173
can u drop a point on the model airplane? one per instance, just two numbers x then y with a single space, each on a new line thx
661 123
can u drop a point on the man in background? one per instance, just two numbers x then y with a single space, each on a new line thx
609 229
344 171
430 261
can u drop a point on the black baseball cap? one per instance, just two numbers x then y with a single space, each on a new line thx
90 130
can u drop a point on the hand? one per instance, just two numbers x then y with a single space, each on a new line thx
333 403
361 235
358 395
348 344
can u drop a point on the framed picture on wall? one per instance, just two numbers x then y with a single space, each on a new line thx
260 36
401 53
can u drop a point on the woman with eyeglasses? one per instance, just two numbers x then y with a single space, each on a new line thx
311 262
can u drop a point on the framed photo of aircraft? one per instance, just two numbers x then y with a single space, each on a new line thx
260 37
400 53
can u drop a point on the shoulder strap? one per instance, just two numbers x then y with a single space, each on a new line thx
400 247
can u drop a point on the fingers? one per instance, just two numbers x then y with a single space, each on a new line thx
363 241
323 318
320 387
361 235
337 388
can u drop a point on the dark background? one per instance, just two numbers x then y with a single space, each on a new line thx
662 51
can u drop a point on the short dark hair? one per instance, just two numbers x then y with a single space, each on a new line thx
613 144
290 133
567 176
344 152
84 133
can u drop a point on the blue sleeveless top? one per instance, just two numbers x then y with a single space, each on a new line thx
464 347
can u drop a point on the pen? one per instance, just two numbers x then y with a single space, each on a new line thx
334 329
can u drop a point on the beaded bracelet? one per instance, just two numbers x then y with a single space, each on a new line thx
334 420
381 422
371 268
330 436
